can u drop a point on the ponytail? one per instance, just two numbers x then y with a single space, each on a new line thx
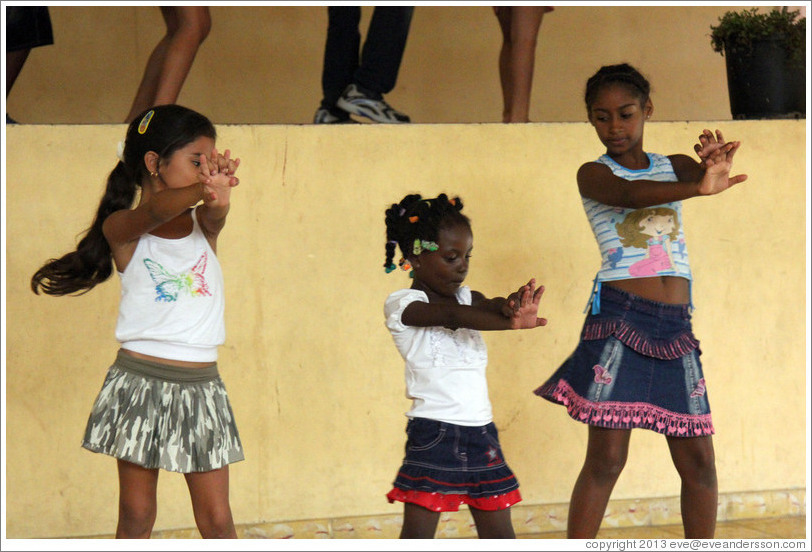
163 129
91 264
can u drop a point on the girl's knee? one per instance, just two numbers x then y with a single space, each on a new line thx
135 521
607 466
217 525
697 464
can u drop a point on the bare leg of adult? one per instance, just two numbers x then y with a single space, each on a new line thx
192 26
209 492
137 503
493 524
695 461
525 22
418 522
503 14
606 453
171 60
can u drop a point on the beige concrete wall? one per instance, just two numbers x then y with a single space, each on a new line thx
262 64
315 381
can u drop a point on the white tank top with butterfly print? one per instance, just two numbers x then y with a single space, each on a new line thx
172 299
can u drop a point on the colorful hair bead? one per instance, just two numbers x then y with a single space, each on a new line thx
404 264
417 249
414 219
429 245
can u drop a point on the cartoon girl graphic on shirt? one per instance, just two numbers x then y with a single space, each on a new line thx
653 229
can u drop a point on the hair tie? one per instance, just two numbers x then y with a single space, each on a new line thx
120 151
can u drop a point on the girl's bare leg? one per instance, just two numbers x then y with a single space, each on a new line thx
418 522
137 503
696 464
606 453
209 492
493 524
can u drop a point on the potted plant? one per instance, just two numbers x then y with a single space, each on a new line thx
765 55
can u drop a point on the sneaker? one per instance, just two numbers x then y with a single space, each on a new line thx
356 102
325 117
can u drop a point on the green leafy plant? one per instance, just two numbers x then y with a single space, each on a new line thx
738 30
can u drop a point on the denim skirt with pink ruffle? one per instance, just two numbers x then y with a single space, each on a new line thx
636 366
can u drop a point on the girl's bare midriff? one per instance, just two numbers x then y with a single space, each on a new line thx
665 289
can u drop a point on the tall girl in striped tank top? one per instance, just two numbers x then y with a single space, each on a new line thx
637 363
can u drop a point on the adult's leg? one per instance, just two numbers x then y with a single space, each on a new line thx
137 502
524 27
493 524
209 493
503 14
418 522
383 48
606 453
171 60
695 461
340 52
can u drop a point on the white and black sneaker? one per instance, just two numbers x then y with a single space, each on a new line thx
356 102
326 117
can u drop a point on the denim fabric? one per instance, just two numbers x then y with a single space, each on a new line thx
637 365
452 459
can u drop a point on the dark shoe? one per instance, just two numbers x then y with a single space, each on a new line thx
356 102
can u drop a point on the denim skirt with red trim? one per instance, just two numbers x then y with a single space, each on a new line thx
637 366
447 465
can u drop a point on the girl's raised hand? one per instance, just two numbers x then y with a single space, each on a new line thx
217 183
717 172
708 145
525 309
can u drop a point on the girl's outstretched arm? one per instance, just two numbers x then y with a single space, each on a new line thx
483 314
596 180
127 225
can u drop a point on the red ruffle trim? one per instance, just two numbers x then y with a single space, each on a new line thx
437 502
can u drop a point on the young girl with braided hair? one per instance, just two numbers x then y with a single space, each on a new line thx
637 364
162 404
453 455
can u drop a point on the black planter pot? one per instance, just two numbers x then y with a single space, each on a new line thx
763 83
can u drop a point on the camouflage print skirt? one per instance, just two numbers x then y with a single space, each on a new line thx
161 416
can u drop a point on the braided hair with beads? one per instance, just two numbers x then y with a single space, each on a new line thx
414 225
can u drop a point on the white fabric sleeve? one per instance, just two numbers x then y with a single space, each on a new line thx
397 302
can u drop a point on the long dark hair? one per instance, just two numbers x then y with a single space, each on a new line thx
162 129
415 218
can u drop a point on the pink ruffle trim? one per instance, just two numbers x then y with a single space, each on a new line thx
617 415
437 502
639 341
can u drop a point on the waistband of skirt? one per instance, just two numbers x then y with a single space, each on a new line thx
630 301
166 372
